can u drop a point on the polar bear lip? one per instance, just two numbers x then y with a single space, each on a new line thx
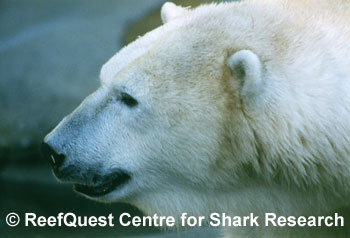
107 186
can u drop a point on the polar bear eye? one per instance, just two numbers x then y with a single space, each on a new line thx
128 100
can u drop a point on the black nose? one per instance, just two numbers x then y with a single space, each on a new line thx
51 155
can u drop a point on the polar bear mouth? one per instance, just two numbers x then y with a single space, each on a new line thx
108 184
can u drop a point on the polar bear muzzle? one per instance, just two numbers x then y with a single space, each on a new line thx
103 185
54 158
97 186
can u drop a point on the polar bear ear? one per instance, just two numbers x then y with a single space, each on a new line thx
247 69
170 11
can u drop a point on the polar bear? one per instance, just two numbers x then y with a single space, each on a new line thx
230 108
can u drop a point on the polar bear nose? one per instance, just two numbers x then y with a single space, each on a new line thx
51 155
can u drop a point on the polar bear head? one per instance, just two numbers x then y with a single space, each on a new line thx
184 114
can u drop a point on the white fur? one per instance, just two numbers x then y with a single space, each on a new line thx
195 143
246 66
170 11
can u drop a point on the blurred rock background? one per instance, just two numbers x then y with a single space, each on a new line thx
51 53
